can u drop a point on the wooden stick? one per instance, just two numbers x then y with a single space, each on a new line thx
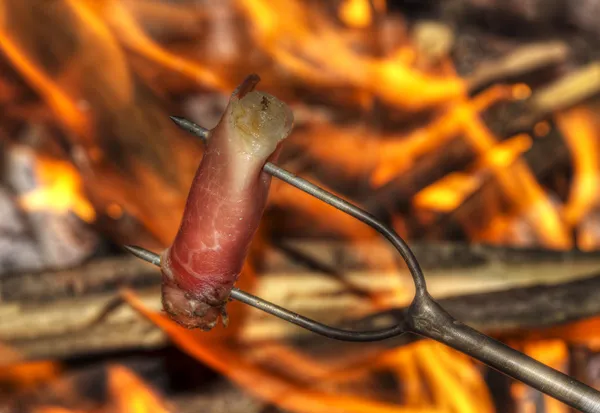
524 59
492 288
574 88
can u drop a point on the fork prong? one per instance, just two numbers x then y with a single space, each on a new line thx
191 127
143 254
286 314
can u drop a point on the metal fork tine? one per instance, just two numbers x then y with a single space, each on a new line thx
284 313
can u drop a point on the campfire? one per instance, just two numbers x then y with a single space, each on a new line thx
469 127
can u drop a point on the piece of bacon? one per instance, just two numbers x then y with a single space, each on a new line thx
224 207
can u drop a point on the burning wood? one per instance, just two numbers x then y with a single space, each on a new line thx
54 314
359 73
394 114
224 208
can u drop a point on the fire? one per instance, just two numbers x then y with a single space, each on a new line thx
356 13
114 15
20 375
448 193
60 190
296 37
398 155
109 99
444 370
63 105
128 393
581 132
521 187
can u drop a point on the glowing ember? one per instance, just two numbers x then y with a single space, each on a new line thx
541 129
115 211
521 91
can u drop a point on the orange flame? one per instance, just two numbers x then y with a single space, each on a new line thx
320 51
297 38
129 394
127 30
64 106
23 375
580 130
398 155
266 386
54 409
445 369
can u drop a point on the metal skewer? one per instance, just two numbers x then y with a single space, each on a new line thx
424 317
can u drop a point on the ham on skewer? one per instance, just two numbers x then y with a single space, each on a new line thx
224 208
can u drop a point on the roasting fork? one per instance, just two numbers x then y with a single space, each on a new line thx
424 317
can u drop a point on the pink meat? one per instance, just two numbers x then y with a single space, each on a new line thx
224 207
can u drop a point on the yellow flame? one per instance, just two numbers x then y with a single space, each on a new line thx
448 193
398 155
129 394
61 190
456 385
452 377
356 13
303 41
520 185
